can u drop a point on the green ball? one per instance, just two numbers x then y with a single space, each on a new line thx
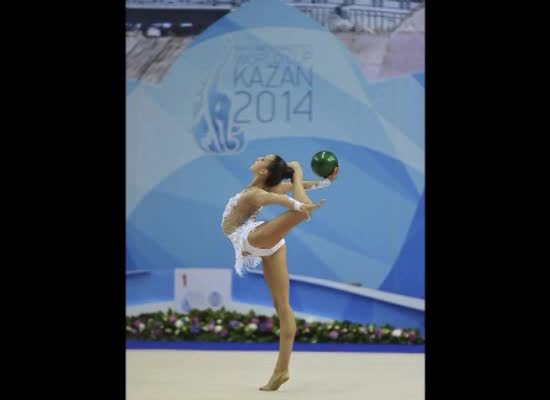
323 163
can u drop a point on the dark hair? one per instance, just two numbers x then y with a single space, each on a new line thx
278 170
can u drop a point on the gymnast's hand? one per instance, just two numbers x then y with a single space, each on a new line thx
308 208
334 174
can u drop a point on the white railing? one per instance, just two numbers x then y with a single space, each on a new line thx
336 15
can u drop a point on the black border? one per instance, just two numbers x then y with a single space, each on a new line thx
72 198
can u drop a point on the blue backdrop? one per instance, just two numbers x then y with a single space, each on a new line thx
268 79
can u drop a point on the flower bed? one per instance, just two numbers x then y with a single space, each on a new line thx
228 326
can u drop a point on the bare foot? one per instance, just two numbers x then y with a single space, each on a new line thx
276 381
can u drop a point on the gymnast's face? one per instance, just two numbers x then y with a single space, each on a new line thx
260 165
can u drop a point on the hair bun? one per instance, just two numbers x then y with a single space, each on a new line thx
289 173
